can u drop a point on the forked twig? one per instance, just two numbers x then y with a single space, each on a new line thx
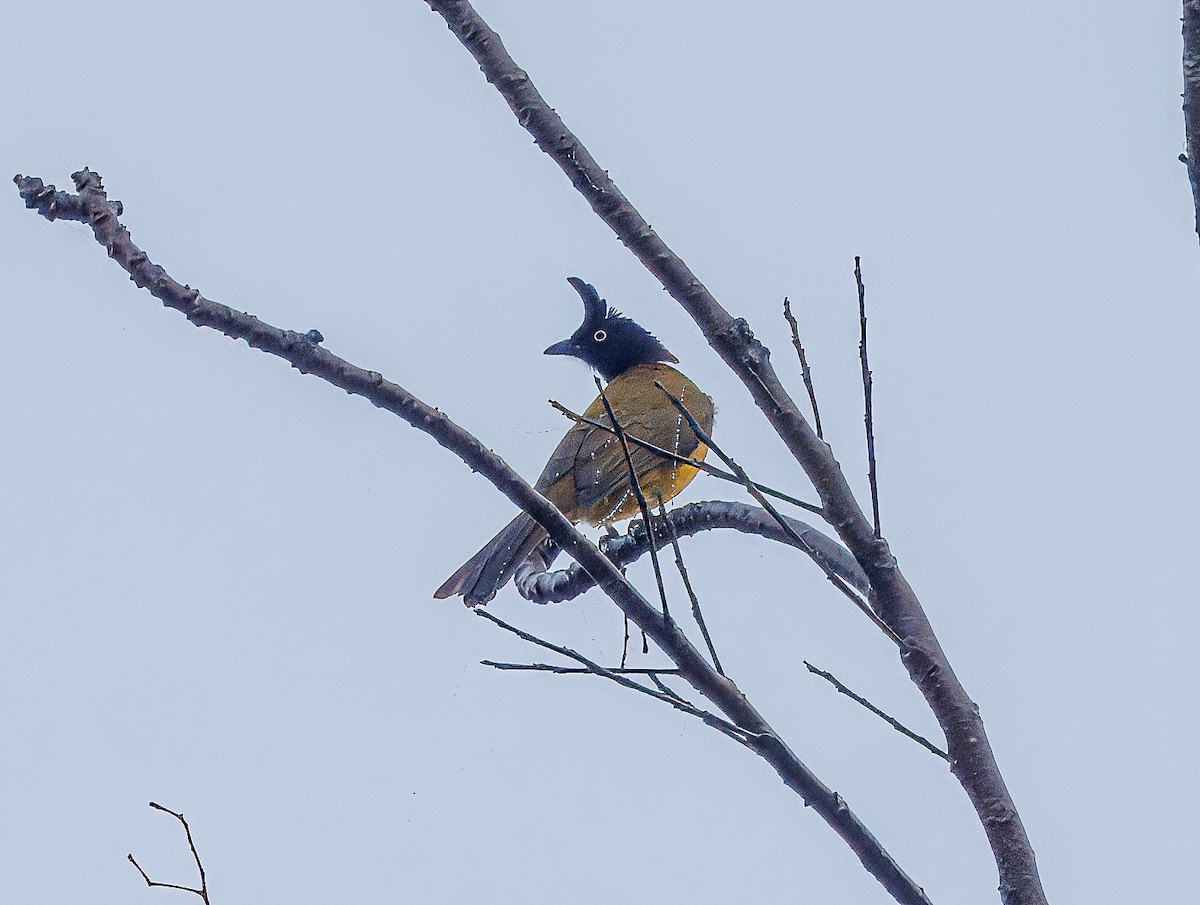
804 371
618 676
868 418
202 892
890 720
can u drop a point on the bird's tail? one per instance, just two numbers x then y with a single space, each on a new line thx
485 573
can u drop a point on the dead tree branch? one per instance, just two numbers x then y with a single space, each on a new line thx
305 354
972 759
202 891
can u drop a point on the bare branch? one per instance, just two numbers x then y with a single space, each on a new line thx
972 760
868 417
202 892
535 583
890 720
304 354
804 370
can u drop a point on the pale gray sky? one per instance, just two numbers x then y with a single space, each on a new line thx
216 574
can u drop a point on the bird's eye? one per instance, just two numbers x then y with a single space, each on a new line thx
599 336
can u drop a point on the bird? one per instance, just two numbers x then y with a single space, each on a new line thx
587 476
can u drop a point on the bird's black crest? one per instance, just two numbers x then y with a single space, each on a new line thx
608 341
593 305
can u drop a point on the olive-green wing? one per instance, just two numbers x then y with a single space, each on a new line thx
600 467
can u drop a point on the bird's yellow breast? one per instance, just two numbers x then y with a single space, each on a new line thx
588 475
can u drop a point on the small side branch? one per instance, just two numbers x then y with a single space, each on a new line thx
202 891
804 370
868 418
890 720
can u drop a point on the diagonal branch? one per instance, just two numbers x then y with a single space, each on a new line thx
972 759
305 354
886 717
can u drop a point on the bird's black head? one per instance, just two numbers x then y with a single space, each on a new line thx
610 343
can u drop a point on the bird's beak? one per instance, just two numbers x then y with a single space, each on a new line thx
566 347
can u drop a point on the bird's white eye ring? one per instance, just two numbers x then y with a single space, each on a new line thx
599 336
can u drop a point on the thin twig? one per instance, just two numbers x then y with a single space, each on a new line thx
699 464
618 676
641 501
868 418
574 670
804 370
202 892
668 690
835 579
687 583
890 720
625 643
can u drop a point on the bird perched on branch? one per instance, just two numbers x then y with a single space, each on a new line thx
587 476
